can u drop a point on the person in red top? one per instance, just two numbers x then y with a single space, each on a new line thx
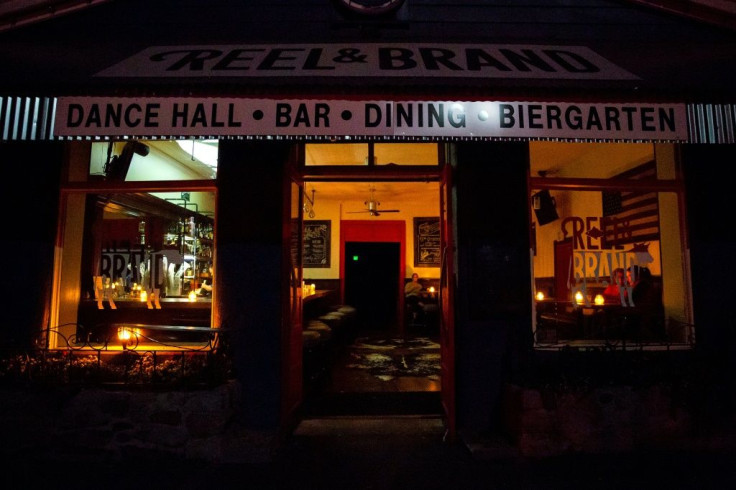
615 293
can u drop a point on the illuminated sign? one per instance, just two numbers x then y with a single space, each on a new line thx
93 116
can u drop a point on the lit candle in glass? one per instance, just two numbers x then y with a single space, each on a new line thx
431 289
144 296
599 299
123 334
540 296
579 298
192 296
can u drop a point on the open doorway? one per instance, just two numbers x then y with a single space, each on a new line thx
371 285
374 363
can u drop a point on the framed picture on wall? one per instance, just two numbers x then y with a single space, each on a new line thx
427 242
316 249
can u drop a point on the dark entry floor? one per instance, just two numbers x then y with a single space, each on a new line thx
378 373
402 453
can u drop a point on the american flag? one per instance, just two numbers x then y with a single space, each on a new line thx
631 217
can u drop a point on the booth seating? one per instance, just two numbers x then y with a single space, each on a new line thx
422 315
317 348
348 316
322 337
335 321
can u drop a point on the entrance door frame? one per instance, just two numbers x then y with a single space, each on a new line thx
388 231
418 173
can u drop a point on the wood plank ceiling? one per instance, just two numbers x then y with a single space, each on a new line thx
16 13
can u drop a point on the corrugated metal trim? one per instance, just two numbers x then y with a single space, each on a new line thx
711 123
27 118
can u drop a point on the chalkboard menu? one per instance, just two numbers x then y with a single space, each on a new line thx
316 244
427 242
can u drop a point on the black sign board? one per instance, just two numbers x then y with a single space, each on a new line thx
427 242
316 244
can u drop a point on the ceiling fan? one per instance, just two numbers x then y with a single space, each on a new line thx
371 206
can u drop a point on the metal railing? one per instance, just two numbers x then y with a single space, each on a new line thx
624 335
136 360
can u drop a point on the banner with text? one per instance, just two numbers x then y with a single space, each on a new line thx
194 117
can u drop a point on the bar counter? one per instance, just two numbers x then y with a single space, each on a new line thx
96 325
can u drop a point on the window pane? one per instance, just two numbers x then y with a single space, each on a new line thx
598 160
406 154
336 154
137 258
135 161
607 274
383 154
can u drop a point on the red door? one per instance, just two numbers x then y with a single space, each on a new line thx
564 278
291 334
447 302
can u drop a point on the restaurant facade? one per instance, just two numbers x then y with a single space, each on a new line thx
187 183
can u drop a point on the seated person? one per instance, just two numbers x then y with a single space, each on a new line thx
412 292
647 323
644 292
615 293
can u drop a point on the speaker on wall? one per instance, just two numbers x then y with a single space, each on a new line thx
117 167
544 207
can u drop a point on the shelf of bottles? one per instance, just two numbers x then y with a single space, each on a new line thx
194 240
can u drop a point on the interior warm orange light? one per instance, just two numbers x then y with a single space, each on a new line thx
599 300
431 289
579 298
144 296
540 296
192 296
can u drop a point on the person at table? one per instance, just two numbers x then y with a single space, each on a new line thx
647 323
412 293
413 288
615 293
643 290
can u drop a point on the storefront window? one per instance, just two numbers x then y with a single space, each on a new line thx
136 267
609 262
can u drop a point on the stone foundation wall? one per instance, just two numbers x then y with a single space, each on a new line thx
111 425
121 425
610 419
